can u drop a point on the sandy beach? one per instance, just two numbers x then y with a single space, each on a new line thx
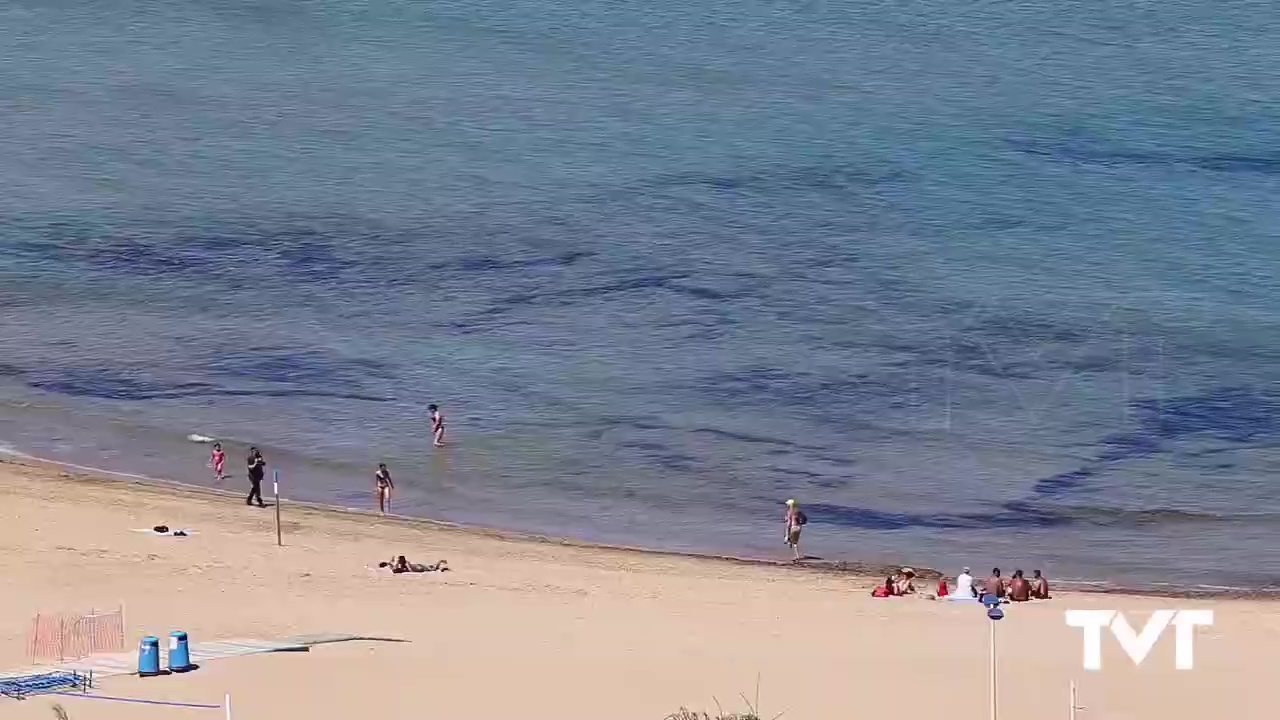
532 628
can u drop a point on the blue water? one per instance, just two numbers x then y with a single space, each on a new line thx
991 283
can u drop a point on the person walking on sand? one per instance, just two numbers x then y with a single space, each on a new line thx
216 460
257 469
793 520
437 425
383 486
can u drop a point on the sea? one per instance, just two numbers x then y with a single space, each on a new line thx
981 283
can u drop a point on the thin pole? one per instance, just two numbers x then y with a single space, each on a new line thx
1073 700
275 484
227 704
992 623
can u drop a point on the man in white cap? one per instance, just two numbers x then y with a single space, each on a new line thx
794 519
964 586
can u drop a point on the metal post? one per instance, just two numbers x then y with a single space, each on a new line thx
275 484
994 713
227 705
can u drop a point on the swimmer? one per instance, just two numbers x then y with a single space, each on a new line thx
437 425
383 486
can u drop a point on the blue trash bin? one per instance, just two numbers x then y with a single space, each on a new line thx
149 656
179 654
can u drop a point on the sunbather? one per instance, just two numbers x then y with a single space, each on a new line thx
399 565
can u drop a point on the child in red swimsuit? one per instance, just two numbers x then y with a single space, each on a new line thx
216 459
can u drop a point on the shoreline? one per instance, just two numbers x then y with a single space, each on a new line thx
872 572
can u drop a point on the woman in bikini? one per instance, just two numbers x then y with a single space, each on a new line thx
793 520
437 425
383 486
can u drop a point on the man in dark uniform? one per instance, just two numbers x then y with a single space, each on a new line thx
257 469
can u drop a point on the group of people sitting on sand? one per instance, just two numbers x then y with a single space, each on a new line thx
897 584
1009 589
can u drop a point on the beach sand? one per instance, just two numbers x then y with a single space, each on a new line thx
530 628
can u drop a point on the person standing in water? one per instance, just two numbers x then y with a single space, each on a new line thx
216 460
793 520
437 425
383 486
257 469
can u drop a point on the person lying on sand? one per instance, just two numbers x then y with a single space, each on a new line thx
1039 586
399 565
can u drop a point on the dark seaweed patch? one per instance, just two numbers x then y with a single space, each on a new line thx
566 296
108 383
484 263
1021 514
840 178
310 368
1229 414
1093 153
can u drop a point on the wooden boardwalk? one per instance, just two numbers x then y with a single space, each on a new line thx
126 663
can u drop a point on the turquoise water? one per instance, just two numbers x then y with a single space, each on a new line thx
992 284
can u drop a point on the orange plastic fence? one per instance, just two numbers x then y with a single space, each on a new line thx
70 636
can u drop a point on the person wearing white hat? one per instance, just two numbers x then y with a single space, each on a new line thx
904 584
793 520
964 586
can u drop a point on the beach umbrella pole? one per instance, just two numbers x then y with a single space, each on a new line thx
275 486
992 605
992 646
